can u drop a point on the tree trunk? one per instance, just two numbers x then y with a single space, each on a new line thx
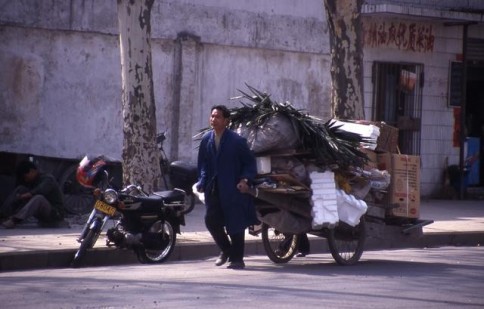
140 153
345 31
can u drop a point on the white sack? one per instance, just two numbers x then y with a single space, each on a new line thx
200 196
350 209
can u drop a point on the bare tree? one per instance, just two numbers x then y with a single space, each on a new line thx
345 31
140 155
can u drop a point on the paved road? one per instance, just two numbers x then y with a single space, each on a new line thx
447 277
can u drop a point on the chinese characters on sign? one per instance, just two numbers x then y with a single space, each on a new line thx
401 35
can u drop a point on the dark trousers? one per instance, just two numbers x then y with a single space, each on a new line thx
232 245
303 243
12 204
38 207
304 246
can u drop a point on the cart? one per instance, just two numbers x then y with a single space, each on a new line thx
275 209
285 214
302 144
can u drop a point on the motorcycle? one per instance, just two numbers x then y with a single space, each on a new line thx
144 223
181 175
176 174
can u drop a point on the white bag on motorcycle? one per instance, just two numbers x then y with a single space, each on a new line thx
201 196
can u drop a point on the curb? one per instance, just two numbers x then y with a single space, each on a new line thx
186 251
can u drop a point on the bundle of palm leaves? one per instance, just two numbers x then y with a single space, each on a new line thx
327 143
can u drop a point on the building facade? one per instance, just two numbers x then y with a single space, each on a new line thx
60 89
412 50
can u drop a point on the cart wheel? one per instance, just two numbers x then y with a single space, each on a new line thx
346 242
279 247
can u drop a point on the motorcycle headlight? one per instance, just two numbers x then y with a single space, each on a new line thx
110 196
132 190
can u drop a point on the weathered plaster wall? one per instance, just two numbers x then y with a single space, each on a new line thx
298 78
60 63
60 87
62 92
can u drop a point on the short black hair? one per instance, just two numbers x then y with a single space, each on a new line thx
225 111
24 167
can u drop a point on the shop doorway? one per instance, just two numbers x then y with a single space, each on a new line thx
475 122
397 97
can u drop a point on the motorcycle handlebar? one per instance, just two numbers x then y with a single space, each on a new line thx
160 137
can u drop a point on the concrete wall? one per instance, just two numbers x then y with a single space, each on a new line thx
60 93
60 85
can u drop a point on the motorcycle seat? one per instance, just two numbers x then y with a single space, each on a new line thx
170 196
152 198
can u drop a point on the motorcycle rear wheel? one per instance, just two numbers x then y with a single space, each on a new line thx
346 243
87 243
167 232
279 247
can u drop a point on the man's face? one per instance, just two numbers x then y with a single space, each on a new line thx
217 120
30 176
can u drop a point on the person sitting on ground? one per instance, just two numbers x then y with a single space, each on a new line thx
37 196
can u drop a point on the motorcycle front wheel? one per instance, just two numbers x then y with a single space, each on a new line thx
346 243
279 247
86 243
167 236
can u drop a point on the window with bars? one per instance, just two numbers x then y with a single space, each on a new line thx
397 100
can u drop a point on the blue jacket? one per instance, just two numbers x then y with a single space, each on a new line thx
231 163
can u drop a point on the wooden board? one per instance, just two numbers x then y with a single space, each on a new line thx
292 182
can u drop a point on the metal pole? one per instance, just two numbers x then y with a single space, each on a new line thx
463 128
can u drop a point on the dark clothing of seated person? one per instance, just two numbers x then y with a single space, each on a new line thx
38 195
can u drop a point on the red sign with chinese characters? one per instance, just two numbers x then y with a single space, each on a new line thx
409 36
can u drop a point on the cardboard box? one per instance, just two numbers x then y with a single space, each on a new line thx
384 161
372 162
405 183
388 139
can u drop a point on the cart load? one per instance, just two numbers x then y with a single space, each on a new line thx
310 172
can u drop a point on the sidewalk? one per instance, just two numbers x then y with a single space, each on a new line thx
455 223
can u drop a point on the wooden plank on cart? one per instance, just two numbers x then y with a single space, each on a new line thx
287 180
291 203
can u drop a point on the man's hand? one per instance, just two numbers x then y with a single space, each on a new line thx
243 186
25 196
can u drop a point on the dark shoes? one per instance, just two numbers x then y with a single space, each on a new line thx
236 265
255 230
222 259
302 254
